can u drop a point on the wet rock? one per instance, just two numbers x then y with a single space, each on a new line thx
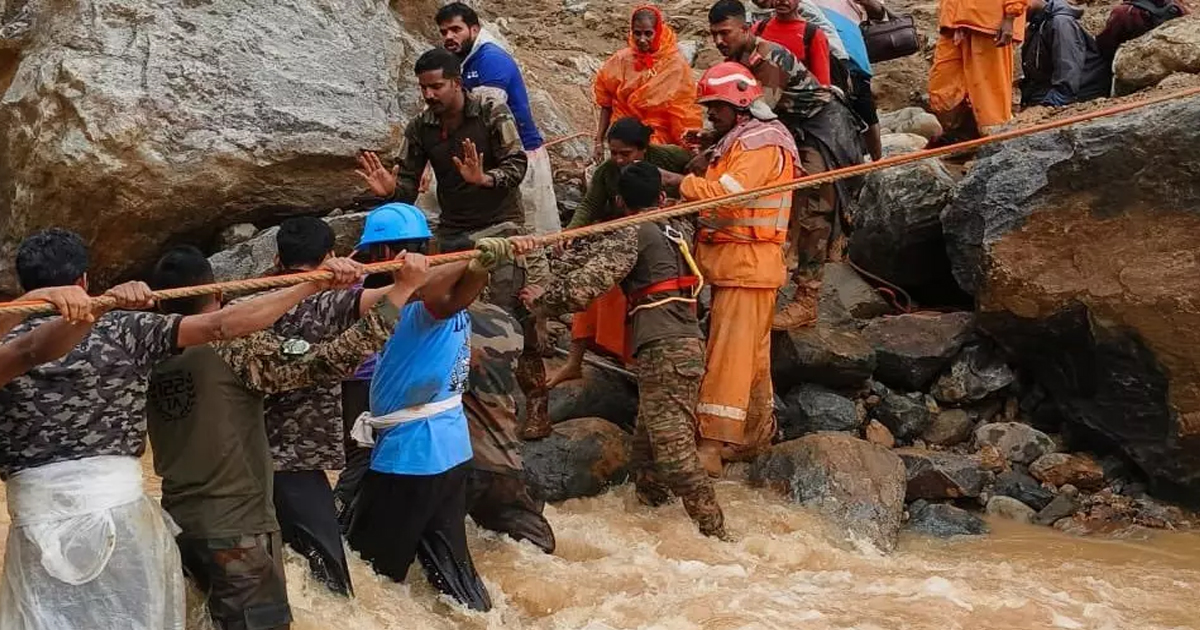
846 297
581 458
912 120
236 233
1023 488
941 475
1017 442
943 520
1063 505
949 427
1147 60
975 374
256 256
1079 270
822 355
876 433
912 349
897 231
1010 508
599 394
812 408
860 486
177 119
901 143
906 416
1059 469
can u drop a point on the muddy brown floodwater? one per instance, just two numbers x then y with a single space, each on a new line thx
623 566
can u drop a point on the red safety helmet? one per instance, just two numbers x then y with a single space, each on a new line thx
729 82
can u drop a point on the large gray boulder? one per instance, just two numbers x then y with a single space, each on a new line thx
142 122
600 393
911 349
1147 60
581 458
859 485
822 354
1079 247
256 255
897 232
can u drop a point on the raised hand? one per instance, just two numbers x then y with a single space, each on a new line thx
380 180
471 165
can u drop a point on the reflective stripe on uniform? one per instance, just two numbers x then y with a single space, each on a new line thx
731 184
721 411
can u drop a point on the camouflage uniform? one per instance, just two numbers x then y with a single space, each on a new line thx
670 363
251 592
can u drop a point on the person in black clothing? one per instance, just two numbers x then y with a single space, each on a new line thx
1061 62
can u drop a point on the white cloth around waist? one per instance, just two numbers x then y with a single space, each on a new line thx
366 425
66 490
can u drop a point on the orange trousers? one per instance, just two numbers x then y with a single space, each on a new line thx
972 70
736 397
603 325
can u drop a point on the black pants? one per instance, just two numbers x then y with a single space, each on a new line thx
399 518
308 521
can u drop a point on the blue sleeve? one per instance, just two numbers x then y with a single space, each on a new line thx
496 69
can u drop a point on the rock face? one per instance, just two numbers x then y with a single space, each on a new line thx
599 394
845 297
1059 469
897 233
168 120
975 374
912 349
580 458
1018 443
812 408
1147 60
943 521
822 355
859 485
256 256
1086 277
940 475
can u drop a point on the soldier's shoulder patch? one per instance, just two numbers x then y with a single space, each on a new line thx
295 347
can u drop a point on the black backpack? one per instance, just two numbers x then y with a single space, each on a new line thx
839 74
1156 14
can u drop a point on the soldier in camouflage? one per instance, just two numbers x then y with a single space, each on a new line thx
476 153
648 263
206 423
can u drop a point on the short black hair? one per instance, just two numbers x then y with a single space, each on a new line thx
439 59
51 258
382 252
303 242
182 266
457 10
726 9
640 186
631 131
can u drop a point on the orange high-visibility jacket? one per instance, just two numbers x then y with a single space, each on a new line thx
983 16
741 246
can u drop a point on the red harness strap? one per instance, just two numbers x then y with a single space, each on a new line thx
674 284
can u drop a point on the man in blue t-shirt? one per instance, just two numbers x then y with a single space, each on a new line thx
489 71
412 501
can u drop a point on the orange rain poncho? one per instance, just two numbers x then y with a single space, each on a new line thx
657 87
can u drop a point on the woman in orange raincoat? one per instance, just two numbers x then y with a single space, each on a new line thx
648 80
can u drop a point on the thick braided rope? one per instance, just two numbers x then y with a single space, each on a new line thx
29 307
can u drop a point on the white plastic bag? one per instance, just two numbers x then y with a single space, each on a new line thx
88 549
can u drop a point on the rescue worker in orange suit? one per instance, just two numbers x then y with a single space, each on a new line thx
740 251
972 73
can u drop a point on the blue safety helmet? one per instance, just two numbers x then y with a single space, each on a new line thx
394 222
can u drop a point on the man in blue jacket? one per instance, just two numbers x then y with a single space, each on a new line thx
489 71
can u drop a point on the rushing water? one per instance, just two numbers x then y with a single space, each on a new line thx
620 565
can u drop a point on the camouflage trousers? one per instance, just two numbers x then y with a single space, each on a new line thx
811 232
664 444
242 579
506 282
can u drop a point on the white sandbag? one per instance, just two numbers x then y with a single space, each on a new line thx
88 549
537 194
